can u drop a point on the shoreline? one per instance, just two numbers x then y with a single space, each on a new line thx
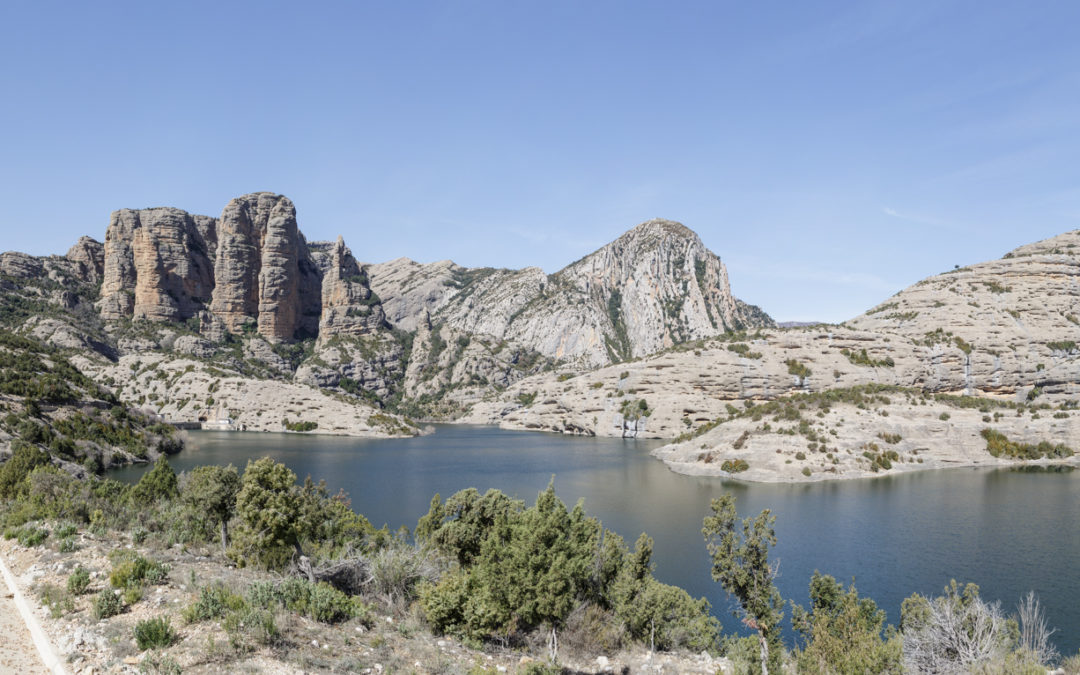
694 469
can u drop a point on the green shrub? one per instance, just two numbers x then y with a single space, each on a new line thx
734 466
132 594
635 409
806 471
65 530
319 601
998 444
156 484
58 602
132 569
107 603
32 536
213 603
24 459
328 605
843 633
526 400
861 358
944 417
797 369
253 622
299 426
154 633
800 455
78 581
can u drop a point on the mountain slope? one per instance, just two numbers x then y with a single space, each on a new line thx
652 288
999 332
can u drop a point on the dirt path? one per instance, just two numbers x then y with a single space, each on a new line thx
17 651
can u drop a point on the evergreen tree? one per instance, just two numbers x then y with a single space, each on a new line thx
211 491
268 508
156 484
740 562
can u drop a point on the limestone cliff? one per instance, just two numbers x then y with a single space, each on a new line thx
157 265
349 307
264 272
88 256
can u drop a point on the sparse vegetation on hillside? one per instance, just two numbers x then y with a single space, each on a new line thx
861 358
998 445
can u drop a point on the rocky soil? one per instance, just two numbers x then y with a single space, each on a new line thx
395 643
849 440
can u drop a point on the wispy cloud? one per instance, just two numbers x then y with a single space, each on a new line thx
920 219
801 273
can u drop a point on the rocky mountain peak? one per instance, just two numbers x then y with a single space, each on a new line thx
157 264
659 228
653 287
88 256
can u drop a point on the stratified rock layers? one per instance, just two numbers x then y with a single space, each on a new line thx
251 268
263 270
654 287
157 265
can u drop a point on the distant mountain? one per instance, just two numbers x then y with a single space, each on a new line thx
245 296
654 287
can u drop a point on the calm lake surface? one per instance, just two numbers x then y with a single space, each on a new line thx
1008 531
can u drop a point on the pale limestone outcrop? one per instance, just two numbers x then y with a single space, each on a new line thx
88 257
349 307
21 265
653 287
186 390
157 265
1005 329
801 445
410 291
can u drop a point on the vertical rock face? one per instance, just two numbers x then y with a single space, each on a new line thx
263 270
348 304
88 257
157 265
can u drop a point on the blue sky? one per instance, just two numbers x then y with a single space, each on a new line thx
831 153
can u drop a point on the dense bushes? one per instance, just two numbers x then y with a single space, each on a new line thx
521 569
998 444
843 632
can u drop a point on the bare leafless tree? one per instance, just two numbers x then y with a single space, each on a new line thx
1034 631
955 634
397 568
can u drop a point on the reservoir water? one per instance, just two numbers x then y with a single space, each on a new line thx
1009 531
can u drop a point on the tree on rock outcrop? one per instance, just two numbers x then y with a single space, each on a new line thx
740 562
